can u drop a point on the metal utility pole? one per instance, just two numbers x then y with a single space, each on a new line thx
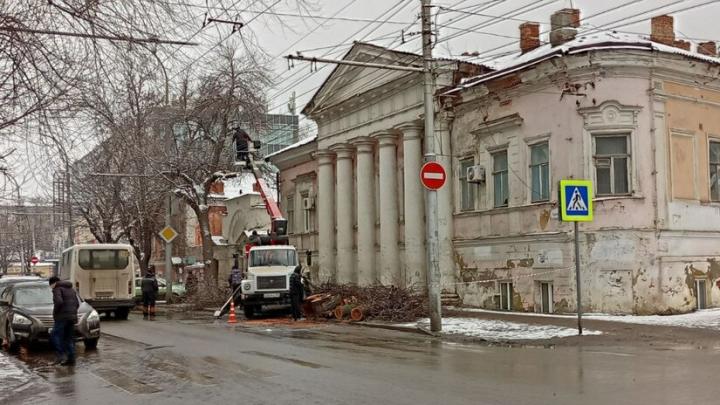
70 230
577 278
168 254
431 198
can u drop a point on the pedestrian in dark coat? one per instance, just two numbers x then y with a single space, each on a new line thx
149 286
191 283
65 316
296 292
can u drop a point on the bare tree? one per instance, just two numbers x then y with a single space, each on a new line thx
116 193
203 123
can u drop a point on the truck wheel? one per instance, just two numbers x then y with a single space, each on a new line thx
122 313
249 311
91 344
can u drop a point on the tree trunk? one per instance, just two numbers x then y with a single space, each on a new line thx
208 247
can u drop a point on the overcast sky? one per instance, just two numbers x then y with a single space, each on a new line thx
329 29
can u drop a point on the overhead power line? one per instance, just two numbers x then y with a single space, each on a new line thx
283 14
124 38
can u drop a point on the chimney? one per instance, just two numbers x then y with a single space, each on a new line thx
563 26
682 44
529 36
662 30
708 48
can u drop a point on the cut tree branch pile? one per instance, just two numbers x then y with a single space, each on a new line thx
382 303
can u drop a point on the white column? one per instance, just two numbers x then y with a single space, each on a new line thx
344 203
390 272
367 273
445 208
326 223
414 203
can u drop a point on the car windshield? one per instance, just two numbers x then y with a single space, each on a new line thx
280 257
33 296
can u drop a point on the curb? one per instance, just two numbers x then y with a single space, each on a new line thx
397 328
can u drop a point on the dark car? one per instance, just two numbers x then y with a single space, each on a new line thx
13 279
26 315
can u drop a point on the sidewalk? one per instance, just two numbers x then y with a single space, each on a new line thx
696 330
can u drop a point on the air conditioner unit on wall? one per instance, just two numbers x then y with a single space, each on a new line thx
475 174
308 203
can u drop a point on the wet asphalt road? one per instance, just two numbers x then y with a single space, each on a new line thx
199 361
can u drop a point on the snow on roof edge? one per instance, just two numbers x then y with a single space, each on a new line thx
297 144
582 43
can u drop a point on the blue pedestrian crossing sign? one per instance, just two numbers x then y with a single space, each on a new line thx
576 200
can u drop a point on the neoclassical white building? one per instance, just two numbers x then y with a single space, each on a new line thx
636 115
367 208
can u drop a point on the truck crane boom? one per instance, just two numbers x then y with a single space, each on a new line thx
246 152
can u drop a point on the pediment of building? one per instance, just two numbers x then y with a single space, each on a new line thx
347 82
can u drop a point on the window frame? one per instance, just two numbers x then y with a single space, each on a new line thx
712 141
496 173
290 210
507 289
532 167
628 163
307 225
463 183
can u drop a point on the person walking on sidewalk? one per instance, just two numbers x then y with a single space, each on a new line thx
65 316
296 292
149 286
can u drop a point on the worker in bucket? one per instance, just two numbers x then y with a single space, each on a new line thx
296 292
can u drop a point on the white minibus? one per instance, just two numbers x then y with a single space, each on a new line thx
103 274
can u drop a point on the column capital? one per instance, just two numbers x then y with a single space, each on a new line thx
363 144
343 150
324 156
411 130
385 137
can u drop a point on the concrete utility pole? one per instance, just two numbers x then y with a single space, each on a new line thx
431 198
168 254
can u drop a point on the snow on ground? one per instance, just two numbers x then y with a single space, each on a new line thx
494 330
11 375
705 318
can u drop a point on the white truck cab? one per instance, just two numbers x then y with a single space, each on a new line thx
267 278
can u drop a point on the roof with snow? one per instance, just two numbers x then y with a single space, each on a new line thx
298 144
219 241
581 44
343 75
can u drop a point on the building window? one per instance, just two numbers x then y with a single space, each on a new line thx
307 215
506 296
612 165
715 171
540 172
290 214
500 179
467 189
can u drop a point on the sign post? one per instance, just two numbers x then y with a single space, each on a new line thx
576 206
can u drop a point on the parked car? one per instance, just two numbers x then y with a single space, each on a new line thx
13 279
26 316
178 289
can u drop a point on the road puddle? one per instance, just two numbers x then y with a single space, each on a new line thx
286 359
125 382
238 368
181 372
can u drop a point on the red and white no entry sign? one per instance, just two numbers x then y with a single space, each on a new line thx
432 175
34 260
